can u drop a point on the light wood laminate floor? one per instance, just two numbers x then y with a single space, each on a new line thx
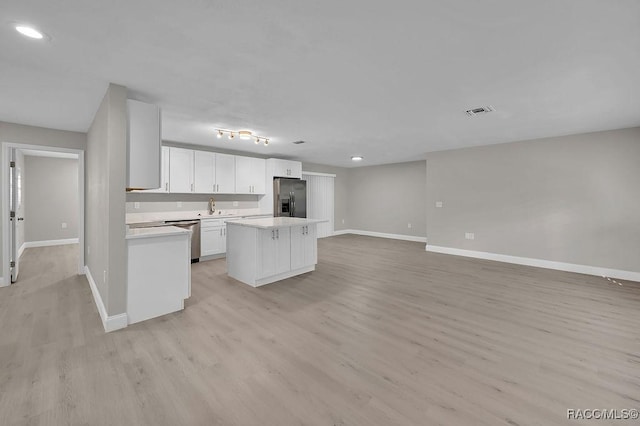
382 333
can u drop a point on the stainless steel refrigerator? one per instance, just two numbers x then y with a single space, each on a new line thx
289 197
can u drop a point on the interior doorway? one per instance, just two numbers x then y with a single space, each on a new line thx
56 191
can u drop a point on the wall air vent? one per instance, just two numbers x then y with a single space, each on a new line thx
480 110
298 142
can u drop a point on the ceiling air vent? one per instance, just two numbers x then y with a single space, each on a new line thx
480 110
298 142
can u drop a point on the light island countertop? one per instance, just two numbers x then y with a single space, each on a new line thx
161 231
274 222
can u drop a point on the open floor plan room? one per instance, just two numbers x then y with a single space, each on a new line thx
381 333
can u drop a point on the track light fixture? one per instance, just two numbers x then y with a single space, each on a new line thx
242 134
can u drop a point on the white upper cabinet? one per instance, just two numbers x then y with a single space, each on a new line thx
143 145
285 168
181 170
225 174
204 172
164 172
250 175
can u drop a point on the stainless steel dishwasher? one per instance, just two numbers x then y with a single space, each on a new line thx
194 227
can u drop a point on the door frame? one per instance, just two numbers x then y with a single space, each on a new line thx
5 280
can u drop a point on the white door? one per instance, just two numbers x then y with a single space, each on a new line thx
213 240
180 170
259 175
250 175
16 214
225 173
164 172
204 172
320 202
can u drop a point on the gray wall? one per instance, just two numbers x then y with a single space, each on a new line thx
341 216
29 135
50 198
569 199
387 198
105 248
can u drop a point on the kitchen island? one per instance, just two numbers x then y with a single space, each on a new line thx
262 251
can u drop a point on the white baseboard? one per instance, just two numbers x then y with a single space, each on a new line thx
110 323
21 249
381 235
48 243
540 263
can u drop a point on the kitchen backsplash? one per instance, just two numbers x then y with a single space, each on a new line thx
189 202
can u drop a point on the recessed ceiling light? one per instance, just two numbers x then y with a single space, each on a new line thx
356 158
29 32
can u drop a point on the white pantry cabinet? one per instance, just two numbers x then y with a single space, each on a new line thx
304 247
250 175
181 170
143 145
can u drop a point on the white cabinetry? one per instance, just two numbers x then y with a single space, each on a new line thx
181 170
213 237
204 172
274 252
250 175
285 168
143 145
225 174
262 251
164 172
304 247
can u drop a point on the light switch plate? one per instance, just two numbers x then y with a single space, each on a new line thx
235 204
469 235
136 205
64 225
439 204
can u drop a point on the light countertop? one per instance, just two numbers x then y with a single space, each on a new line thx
160 231
138 218
274 222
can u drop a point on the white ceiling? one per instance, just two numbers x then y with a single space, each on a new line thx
386 80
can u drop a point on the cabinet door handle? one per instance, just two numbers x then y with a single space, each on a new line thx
191 187
217 187
166 187
273 234
303 230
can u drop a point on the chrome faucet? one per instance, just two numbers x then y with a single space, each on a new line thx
212 205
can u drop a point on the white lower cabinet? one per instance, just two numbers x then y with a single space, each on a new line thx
304 247
274 252
213 237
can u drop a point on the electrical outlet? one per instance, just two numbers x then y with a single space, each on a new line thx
439 204
235 204
409 225
179 204
64 225
343 221
136 205
104 277
469 235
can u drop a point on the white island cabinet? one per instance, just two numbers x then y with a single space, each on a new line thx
262 251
